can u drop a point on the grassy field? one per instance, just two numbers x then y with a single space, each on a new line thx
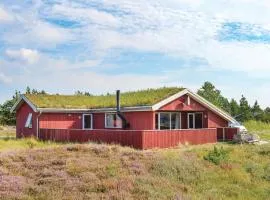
95 171
260 128
31 169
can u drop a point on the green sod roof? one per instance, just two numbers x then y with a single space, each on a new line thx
147 97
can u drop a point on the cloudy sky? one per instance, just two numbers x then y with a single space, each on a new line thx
102 45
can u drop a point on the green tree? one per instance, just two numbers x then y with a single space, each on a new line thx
28 90
266 115
257 112
212 94
235 108
6 117
245 110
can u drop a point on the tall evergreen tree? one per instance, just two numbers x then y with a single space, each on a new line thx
235 108
257 112
245 110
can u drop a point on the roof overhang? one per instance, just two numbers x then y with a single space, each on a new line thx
20 101
97 110
199 99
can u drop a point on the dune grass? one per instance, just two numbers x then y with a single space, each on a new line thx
92 171
11 144
258 127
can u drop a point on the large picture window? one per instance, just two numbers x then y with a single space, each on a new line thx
87 121
112 120
168 121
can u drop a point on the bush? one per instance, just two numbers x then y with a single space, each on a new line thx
31 143
217 155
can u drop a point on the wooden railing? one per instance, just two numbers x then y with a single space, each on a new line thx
140 139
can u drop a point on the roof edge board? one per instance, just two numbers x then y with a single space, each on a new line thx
19 101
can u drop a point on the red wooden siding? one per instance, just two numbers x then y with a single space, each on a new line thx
215 121
126 138
141 120
228 133
137 120
137 139
171 138
210 119
60 121
21 117
180 104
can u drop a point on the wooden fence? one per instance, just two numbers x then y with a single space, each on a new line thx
140 139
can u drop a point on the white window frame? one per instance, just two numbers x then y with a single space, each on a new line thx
180 119
194 126
91 115
29 121
106 125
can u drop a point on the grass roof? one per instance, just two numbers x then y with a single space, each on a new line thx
147 97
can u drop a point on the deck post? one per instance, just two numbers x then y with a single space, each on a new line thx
223 134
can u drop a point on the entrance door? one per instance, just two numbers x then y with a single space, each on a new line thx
195 120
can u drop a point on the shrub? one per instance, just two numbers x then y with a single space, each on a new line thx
31 143
217 155
185 169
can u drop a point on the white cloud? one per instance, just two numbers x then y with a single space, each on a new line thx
27 55
5 16
5 79
85 15
183 28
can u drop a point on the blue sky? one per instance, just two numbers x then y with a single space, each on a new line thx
101 45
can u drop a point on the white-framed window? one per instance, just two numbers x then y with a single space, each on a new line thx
112 120
168 120
29 121
87 121
195 120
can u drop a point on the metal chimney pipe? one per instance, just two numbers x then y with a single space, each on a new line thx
118 100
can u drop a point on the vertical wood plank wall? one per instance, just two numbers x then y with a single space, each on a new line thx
140 139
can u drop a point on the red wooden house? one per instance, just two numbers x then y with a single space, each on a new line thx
150 118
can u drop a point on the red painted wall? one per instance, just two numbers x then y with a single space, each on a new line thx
181 105
215 121
212 120
21 117
137 120
60 121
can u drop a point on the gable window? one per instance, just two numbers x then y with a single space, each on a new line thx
87 121
112 120
28 123
168 120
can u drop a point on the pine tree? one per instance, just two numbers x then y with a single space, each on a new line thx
235 108
257 112
245 110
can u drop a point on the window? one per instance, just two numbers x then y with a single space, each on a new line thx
87 121
195 120
28 123
168 121
112 120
